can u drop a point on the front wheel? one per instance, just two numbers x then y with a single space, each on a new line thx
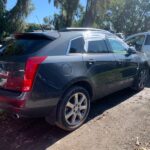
141 80
73 108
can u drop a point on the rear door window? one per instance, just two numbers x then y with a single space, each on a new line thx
97 46
22 46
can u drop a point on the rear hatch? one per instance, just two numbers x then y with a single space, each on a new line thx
19 61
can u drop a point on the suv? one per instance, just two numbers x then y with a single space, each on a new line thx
57 75
141 42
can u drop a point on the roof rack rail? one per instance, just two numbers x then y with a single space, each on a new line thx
81 29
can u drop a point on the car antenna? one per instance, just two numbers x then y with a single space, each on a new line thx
40 24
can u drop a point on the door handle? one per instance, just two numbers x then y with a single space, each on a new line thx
91 61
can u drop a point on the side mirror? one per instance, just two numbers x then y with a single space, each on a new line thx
132 50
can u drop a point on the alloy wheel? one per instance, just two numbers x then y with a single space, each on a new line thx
143 78
76 109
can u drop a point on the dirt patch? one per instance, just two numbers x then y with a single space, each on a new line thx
118 122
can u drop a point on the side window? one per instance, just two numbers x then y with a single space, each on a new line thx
147 42
118 46
97 46
137 42
131 41
77 45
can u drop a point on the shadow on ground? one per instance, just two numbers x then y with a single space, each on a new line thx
36 134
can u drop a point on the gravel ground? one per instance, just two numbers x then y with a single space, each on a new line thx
118 122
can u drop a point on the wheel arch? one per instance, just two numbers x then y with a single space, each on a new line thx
80 82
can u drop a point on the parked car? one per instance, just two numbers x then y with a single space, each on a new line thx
57 75
141 42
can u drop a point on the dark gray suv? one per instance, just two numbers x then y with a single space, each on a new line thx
57 75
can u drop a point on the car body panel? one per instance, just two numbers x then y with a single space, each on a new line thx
101 69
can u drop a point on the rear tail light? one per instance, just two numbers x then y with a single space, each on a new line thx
20 79
30 72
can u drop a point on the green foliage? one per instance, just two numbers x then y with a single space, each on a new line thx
13 20
95 13
78 17
127 16
32 27
131 16
68 10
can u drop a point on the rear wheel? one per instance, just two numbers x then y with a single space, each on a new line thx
141 79
73 108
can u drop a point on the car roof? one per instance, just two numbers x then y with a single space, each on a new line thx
71 33
64 37
85 31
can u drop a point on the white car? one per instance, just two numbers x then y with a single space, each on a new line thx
141 42
0 45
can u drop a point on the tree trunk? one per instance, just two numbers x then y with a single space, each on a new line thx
90 13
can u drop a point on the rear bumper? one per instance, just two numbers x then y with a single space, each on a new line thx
12 101
29 112
24 106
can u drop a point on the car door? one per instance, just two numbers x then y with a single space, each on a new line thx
127 65
101 66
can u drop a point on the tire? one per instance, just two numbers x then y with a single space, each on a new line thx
141 79
73 109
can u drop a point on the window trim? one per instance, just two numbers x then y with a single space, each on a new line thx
69 45
96 39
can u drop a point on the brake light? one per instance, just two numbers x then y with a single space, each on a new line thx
30 72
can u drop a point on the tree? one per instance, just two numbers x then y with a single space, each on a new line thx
95 12
31 27
47 20
68 9
127 16
13 20
130 16
78 17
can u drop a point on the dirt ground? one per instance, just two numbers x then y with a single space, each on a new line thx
118 122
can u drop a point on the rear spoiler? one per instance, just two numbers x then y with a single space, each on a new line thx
38 35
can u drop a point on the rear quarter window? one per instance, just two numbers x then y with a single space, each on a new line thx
77 45
22 46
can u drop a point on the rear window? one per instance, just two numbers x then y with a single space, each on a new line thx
22 46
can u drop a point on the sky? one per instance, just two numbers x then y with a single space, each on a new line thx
42 9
